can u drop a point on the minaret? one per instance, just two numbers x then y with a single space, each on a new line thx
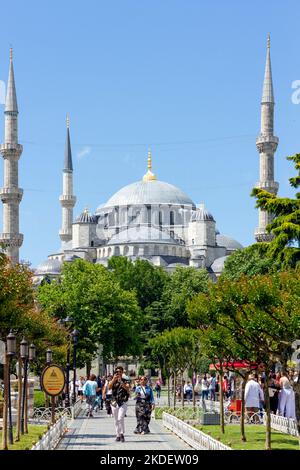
11 194
266 144
67 199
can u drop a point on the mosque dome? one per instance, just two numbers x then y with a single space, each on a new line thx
228 242
148 191
86 218
50 266
201 214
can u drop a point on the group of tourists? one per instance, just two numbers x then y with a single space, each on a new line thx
280 390
113 392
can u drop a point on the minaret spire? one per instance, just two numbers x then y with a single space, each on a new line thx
11 194
67 199
266 145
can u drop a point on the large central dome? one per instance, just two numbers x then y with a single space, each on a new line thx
149 192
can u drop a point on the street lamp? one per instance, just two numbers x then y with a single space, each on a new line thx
67 321
48 356
11 344
74 337
24 354
32 352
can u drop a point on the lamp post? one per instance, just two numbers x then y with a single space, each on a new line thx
48 356
24 354
74 336
67 321
11 352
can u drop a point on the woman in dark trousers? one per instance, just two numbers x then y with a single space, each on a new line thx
144 406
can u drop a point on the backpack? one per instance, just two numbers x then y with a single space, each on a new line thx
88 390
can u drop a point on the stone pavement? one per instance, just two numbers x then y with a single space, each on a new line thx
98 433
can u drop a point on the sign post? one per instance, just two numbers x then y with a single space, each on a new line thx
53 383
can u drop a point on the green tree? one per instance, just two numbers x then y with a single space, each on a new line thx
261 314
183 284
103 312
140 276
285 227
250 261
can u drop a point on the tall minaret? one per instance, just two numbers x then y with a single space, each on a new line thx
11 194
266 144
67 199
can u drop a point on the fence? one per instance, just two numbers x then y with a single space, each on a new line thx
282 424
43 414
192 436
50 440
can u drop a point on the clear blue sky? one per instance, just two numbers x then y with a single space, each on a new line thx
181 76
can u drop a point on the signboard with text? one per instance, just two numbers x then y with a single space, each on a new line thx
53 380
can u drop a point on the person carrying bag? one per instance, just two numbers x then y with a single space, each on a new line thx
144 406
120 395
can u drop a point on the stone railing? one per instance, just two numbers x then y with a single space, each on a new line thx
282 424
192 436
50 440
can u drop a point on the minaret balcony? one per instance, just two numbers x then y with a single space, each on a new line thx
10 150
65 235
267 143
11 194
270 186
261 235
11 239
67 201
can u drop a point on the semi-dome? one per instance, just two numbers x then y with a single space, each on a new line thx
218 265
143 234
50 266
148 192
228 242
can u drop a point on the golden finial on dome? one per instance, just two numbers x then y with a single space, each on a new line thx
149 176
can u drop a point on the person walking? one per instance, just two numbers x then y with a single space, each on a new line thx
144 406
107 395
188 391
158 388
287 398
204 388
253 397
212 388
81 383
90 389
120 395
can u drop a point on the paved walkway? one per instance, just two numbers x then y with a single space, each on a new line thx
98 433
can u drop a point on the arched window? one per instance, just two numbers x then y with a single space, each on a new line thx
172 218
117 251
160 218
126 250
173 251
92 243
135 250
146 250
109 252
103 252
165 250
156 249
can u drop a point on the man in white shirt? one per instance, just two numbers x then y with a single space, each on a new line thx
253 396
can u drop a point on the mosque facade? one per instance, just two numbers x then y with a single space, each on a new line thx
148 219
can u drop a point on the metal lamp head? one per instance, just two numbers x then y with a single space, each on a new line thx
74 335
24 349
32 352
49 356
11 344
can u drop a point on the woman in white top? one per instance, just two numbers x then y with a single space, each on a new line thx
287 398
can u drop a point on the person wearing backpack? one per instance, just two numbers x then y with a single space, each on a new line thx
90 390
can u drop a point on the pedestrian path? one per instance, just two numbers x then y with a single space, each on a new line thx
98 433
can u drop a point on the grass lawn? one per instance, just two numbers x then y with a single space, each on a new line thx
255 435
26 440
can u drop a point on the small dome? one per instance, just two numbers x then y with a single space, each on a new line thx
50 266
86 218
218 265
201 214
228 242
